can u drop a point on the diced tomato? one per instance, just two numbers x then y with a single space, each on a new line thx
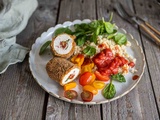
115 71
70 94
86 96
102 46
108 52
124 61
131 64
101 77
103 58
105 71
107 64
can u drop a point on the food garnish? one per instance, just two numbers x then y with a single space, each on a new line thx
44 46
70 85
109 91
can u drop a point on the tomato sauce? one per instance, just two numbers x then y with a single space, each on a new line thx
108 64
135 77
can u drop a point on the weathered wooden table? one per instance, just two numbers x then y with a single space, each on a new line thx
21 98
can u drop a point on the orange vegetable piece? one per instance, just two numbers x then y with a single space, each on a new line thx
90 89
98 84
70 85
87 65
78 59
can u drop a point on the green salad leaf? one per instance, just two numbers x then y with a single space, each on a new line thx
44 47
120 39
81 40
109 91
109 27
118 77
62 30
89 50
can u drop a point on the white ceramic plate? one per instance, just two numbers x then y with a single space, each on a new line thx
38 63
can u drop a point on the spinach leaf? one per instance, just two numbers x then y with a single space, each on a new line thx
80 41
110 36
44 47
109 27
118 77
78 34
89 50
62 30
120 39
109 91
93 38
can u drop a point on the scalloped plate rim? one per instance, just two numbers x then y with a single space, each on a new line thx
77 101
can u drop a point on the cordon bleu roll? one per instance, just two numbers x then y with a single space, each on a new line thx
62 70
63 45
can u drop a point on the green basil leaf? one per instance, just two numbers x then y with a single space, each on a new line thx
89 50
120 39
102 30
93 38
78 34
118 77
98 30
81 27
109 27
80 41
62 30
109 91
94 24
44 47
110 36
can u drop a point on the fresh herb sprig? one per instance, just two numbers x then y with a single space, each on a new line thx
109 90
44 47
118 77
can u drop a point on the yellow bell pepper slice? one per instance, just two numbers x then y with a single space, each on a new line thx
90 89
87 65
98 84
70 85
78 59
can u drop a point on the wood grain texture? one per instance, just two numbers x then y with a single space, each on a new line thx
139 103
21 97
58 109
150 12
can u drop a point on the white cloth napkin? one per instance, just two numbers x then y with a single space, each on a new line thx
13 19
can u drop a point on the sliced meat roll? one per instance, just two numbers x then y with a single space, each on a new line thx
63 45
62 70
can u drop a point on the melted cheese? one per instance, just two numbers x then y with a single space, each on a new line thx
66 79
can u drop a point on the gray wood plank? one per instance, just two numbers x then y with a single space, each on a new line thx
139 103
21 97
60 110
150 11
